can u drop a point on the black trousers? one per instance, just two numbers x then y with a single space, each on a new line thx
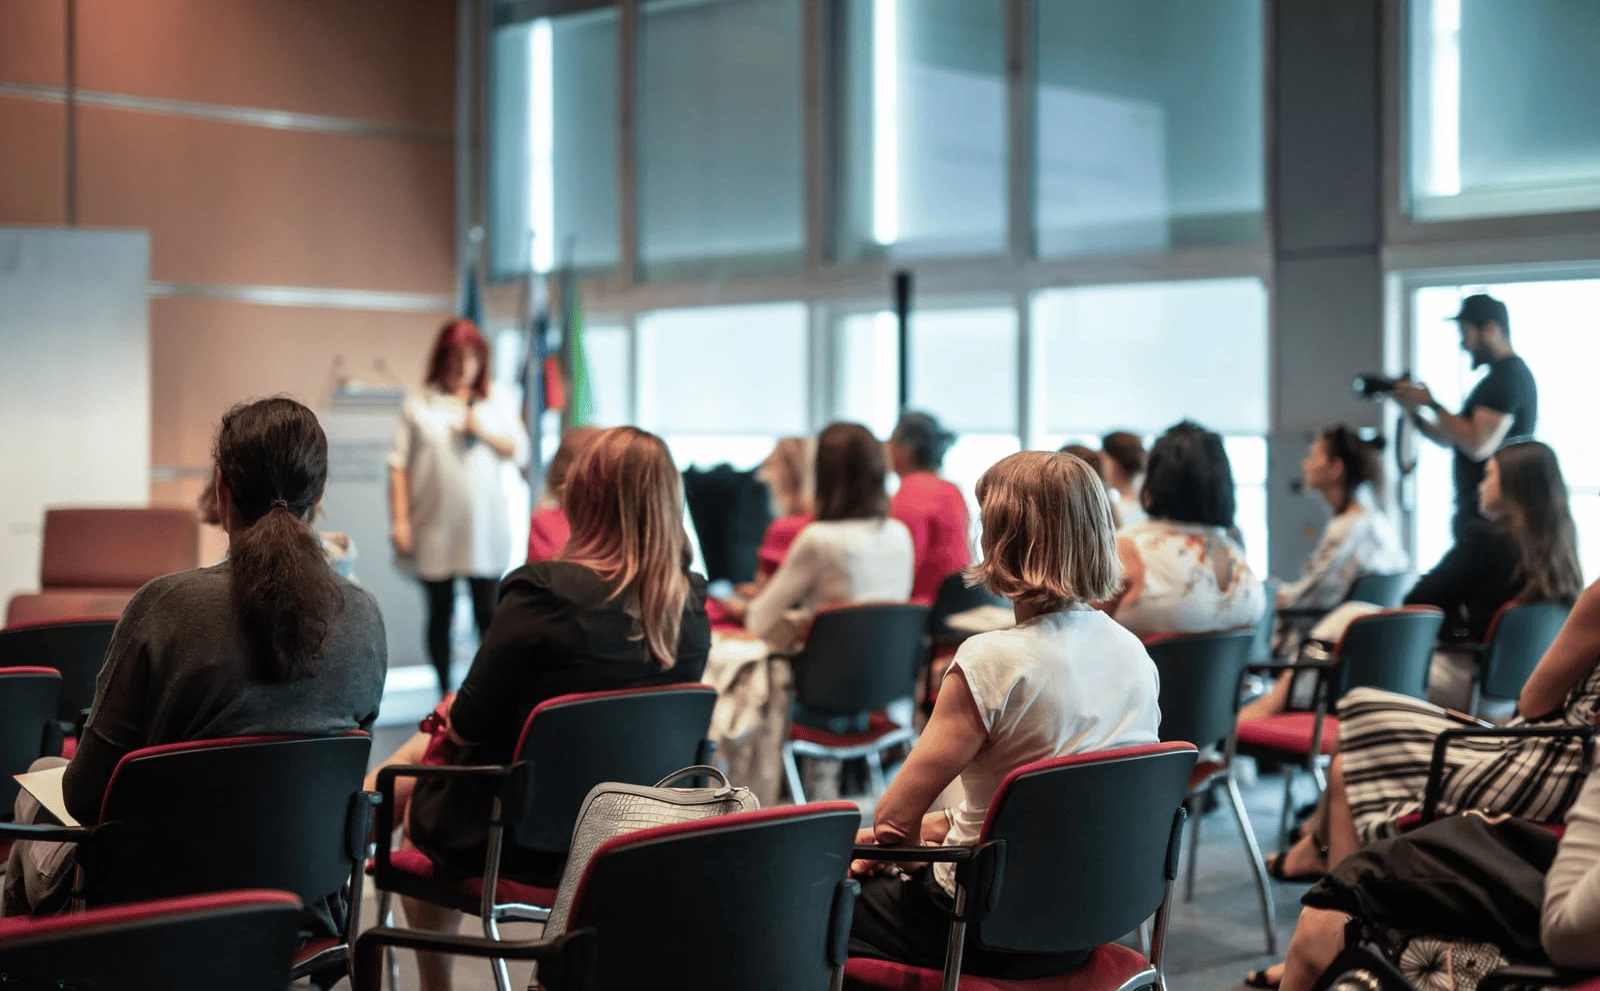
442 605
907 919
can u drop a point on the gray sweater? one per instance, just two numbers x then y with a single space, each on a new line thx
177 670
1571 919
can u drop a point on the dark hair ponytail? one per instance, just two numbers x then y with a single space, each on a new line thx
1362 460
273 459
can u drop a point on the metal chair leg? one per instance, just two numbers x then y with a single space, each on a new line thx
1194 806
791 773
1257 865
502 973
386 918
875 773
1288 807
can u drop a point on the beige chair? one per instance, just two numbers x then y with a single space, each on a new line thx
93 560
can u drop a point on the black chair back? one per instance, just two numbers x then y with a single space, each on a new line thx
1388 591
955 596
730 510
860 658
573 742
75 647
286 813
1079 851
28 728
751 900
1518 638
1200 675
1392 650
242 941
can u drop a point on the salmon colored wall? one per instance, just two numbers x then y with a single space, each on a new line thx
233 204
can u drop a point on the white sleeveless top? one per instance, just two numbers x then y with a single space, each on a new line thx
1196 580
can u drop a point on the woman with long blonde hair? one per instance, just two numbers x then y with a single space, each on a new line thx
618 608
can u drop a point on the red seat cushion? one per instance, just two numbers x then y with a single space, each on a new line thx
413 861
1203 772
311 947
878 725
1289 733
69 746
1110 967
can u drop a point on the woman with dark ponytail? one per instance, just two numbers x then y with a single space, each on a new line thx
270 641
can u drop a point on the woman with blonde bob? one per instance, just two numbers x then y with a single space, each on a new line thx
1066 679
618 608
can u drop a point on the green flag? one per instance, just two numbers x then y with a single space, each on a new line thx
580 405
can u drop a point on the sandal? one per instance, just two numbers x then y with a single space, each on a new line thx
1276 872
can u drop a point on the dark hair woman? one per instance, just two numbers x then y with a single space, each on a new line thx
933 509
270 641
1184 569
1122 465
448 513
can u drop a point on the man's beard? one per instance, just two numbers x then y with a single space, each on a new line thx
1480 357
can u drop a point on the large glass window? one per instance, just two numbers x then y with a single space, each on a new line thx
1149 125
554 143
722 384
920 116
1503 118
1562 359
719 147
1142 357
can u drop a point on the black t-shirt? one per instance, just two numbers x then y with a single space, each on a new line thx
1508 388
1477 576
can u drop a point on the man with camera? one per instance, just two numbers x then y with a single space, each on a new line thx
1504 403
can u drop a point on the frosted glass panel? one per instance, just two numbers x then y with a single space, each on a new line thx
921 109
606 347
1502 115
964 368
1142 357
719 137
1148 118
724 370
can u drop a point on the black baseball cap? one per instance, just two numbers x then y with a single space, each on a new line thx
1481 309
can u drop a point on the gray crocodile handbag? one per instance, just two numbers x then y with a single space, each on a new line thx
612 809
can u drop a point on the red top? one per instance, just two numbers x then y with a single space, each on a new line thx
775 545
547 534
936 514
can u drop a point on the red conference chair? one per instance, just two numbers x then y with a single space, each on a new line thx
1075 853
239 940
76 646
284 813
856 661
92 560
736 902
1391 649
28 728
1517 638
1200 676
568 745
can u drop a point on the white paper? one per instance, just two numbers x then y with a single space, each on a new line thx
983 619
46 787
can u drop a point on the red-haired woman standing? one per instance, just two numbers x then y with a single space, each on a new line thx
447 502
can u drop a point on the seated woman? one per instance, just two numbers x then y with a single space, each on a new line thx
788 475
1360 540
1415 907
1067 679
933 509
617 609
1184 570
270 641
1122 464
548 529
1386 740
1526 550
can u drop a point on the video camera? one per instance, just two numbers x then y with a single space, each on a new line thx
1374 386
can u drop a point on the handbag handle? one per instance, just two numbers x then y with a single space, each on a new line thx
696 771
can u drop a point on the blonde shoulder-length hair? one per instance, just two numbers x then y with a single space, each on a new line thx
1048 539
624 502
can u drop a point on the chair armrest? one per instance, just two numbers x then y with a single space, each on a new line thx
1302 612
1531 976
384 828
566 962
1314 665
914 853
45 832
1441 744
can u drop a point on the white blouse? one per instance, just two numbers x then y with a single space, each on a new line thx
830 563
460 517
1359 541
1195 580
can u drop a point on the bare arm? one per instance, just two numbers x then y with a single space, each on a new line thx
1477 436
953 737
400 510
1568 659
1571 916
503 446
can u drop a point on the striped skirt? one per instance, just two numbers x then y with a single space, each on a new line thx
1386 744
